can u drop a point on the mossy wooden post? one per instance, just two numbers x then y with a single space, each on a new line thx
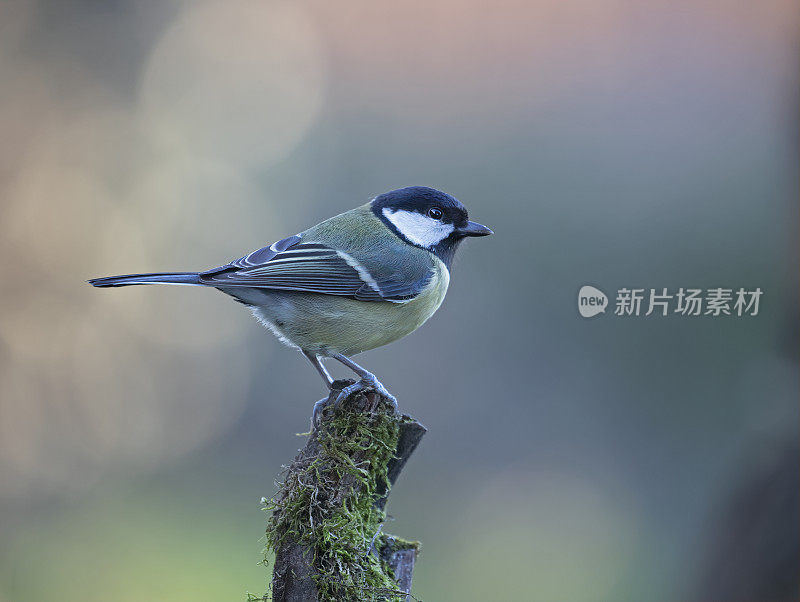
326 527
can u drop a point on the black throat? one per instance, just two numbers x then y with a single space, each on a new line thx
446 249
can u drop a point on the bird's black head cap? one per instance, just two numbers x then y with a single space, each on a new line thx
427 218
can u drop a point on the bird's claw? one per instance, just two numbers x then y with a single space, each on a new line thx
369 382
316 414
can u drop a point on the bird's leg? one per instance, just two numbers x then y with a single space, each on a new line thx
314 359
368 381
320 405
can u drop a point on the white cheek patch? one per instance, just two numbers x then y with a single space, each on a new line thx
417 228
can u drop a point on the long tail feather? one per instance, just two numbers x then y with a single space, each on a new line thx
189 278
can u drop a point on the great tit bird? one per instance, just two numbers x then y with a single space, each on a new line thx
354 282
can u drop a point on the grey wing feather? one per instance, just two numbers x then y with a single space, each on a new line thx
292 265
391 290
261 255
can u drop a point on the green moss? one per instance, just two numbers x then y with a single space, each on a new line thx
392 543
326 504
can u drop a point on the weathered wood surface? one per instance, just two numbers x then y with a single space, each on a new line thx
293 573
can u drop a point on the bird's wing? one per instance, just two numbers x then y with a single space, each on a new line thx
293 265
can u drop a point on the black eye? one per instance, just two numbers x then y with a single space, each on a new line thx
435 213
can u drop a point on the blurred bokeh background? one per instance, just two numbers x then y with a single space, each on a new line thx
611 142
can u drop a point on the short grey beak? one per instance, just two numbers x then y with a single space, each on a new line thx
474 229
